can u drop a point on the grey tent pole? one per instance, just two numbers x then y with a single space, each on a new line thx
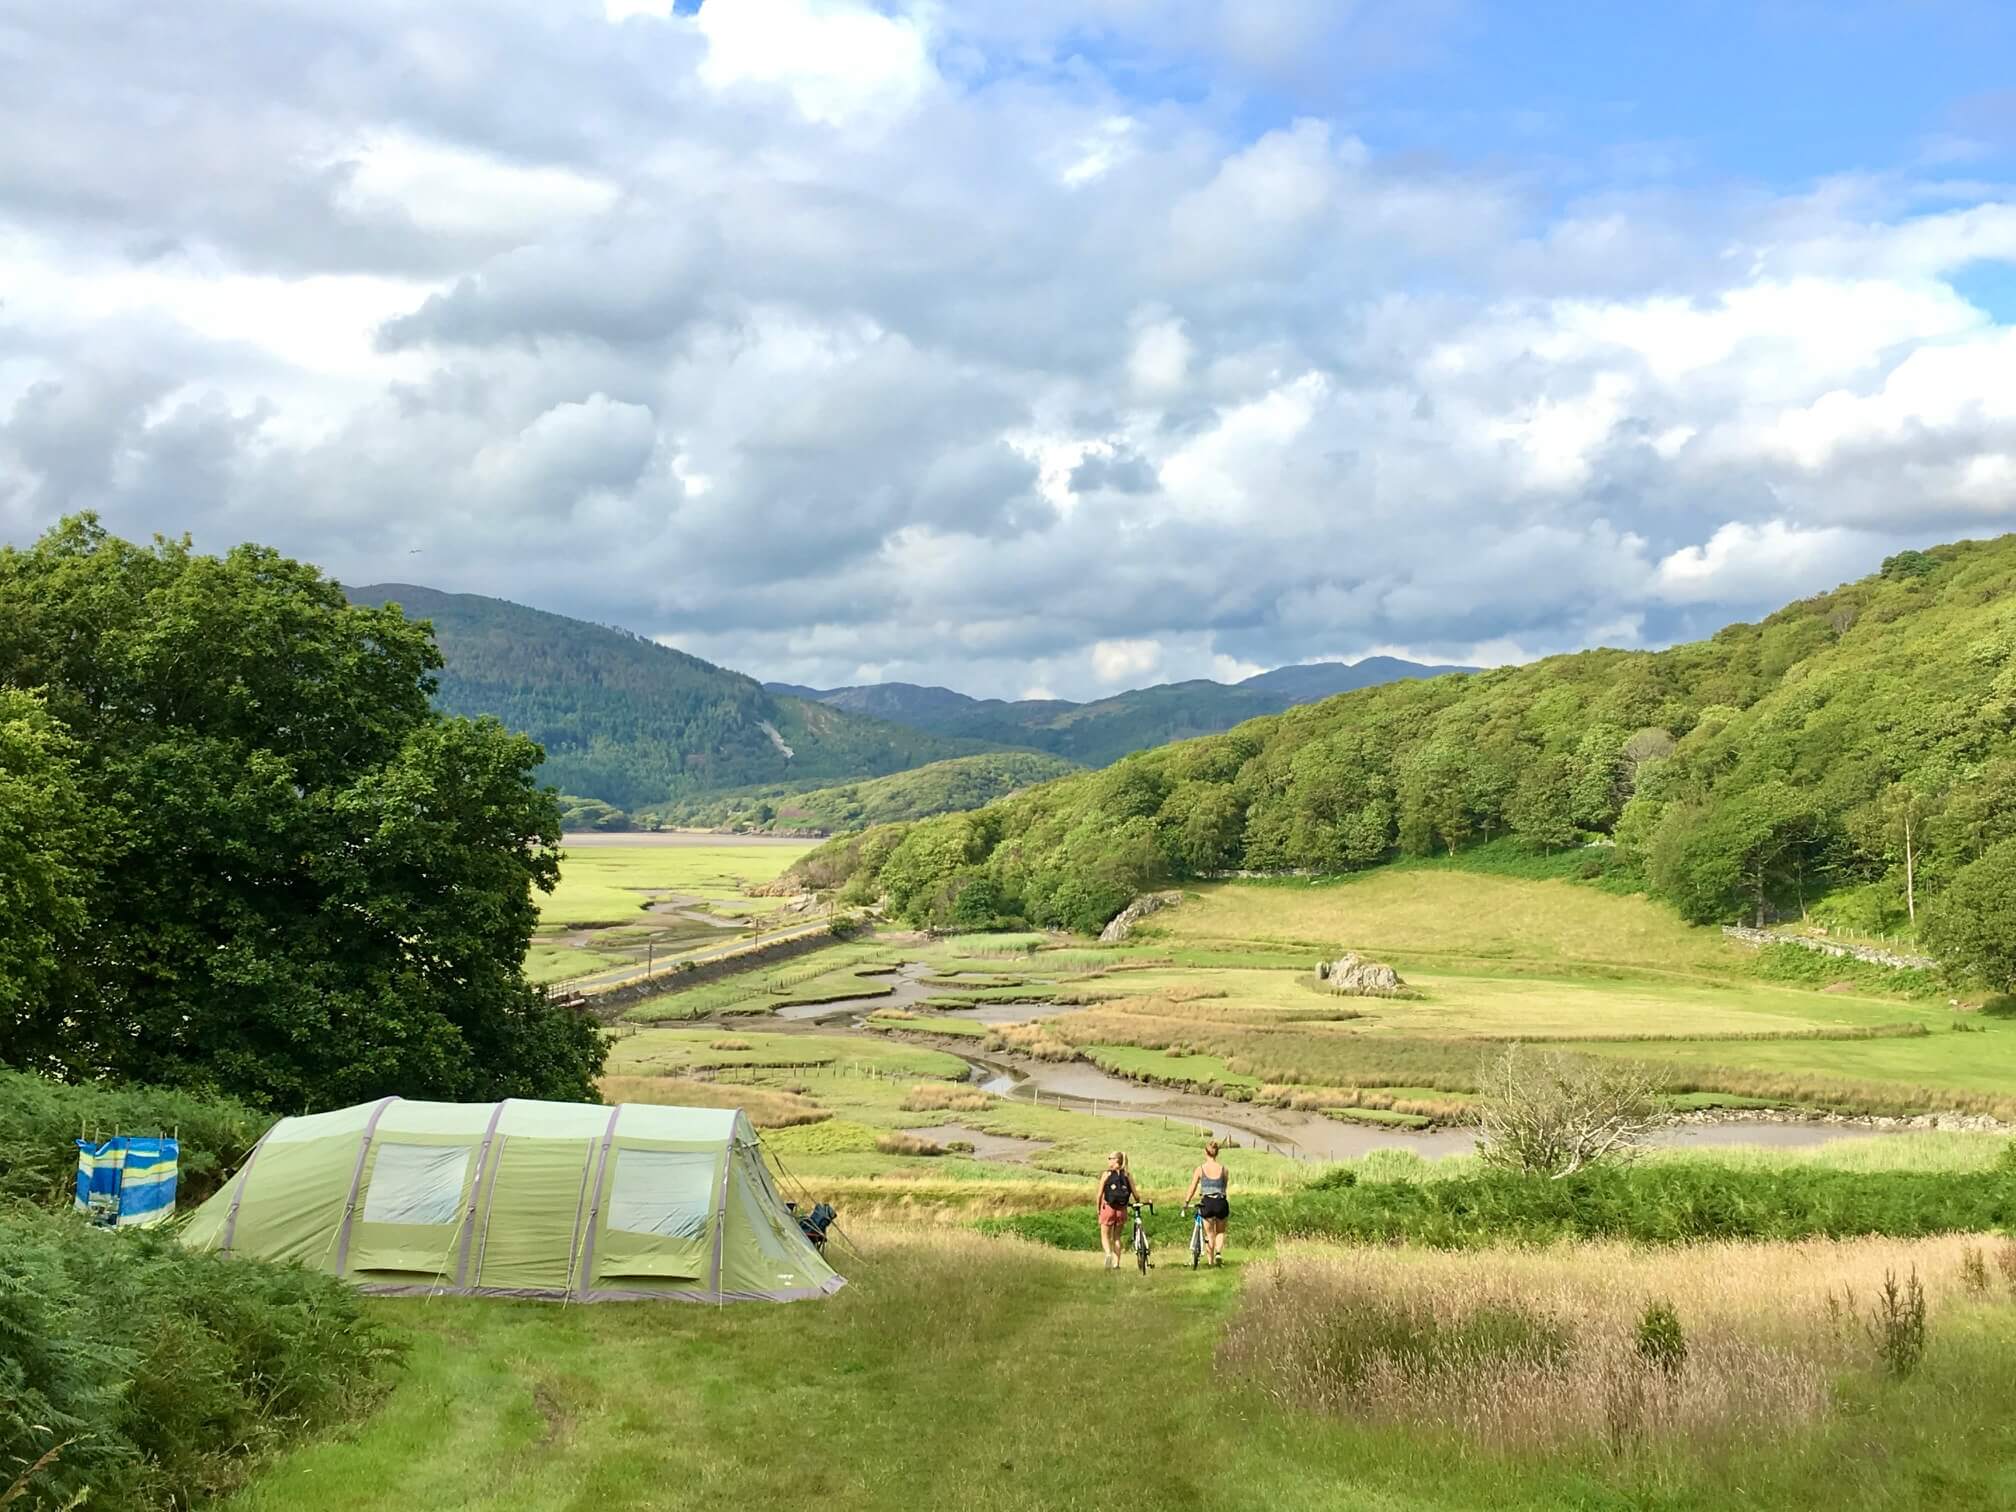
356 1180
721 1213
476 1193
595 1206
580 1207
238 1193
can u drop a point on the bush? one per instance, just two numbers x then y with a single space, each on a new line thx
899 1143
938 1097
1674 1203
1897 1324
1662 1344
164 1374
1550 1114
40 1121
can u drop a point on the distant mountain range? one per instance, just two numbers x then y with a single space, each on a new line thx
635 724
1103 731
628 721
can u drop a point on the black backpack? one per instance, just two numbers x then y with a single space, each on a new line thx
1117 1191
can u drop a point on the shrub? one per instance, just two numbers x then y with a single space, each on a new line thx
1974 1270
1334 1179
1549 1114
728 1044
41 1119
164 1373
934 1097
1662 1344
898 1143
1897 1324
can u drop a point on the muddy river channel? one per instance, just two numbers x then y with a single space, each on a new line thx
1084 1088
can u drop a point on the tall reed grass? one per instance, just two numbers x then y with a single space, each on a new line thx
1548 1349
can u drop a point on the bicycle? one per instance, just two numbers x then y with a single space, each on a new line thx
1196 1236
1141 1245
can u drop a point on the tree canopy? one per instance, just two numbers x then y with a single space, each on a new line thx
255 858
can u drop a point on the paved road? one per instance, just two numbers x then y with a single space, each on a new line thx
624 976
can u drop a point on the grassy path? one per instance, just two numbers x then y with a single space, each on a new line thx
961 1372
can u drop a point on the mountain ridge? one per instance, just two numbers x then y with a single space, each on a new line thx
631 722
1100 731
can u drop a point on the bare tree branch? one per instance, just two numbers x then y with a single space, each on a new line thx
1553 1115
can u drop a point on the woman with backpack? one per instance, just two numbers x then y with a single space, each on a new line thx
1208 1184
1116 1190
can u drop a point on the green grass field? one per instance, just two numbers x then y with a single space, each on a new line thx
622 905
611 884
994 1375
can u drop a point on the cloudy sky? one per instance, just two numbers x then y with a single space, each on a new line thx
1062 344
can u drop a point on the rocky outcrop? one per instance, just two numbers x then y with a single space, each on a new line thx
1125 920
1355 976
1869 953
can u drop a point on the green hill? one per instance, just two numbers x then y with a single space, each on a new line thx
1853 751
628 721
1101 732
943 787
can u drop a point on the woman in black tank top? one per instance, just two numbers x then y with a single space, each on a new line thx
1209 1184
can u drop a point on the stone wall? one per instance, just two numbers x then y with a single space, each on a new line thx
1869 953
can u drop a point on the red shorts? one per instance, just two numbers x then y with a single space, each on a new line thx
1111 1217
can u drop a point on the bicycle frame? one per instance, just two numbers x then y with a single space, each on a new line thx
1196 1237
1141 1245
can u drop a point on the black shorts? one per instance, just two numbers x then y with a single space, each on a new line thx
1214 1205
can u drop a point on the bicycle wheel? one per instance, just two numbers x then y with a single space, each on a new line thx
1196 1244
1141 1254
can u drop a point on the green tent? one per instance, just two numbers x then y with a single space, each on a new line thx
520 1199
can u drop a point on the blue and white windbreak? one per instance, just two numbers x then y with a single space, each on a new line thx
127 1182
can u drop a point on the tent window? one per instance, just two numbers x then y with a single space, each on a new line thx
665 1192
416 1184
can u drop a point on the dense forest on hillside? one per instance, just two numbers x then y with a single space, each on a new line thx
1099 733
943 787
1855 747
628 721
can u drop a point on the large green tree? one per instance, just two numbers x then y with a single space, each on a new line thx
46 846
309 887
1972 924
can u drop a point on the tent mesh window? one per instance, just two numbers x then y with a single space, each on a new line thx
665 1192
413 1183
